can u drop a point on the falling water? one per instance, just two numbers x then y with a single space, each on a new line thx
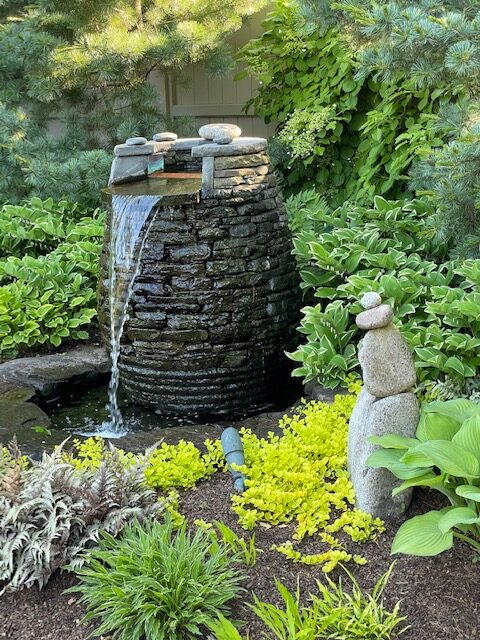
129 216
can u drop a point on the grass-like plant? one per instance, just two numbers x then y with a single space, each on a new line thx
157 583
336 615
243 550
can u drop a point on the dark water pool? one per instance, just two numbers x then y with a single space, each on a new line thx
82 409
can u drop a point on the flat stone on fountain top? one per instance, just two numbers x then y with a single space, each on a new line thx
138 140
238 147
144 149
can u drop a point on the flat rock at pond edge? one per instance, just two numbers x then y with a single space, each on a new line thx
23 379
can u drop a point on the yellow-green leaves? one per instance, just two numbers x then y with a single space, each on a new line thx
446 458
301 477
421 536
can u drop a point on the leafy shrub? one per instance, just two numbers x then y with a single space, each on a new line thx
445 455
156 583
167 466
300 476
391 248
49 260
336 615
349 136
51 512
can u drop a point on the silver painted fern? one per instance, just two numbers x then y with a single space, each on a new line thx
56 512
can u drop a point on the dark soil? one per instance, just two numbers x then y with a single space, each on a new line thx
438 595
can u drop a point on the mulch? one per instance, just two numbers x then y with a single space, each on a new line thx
439 595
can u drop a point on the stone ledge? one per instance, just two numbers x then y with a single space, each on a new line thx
239 147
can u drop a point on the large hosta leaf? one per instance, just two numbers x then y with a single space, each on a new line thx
469 435
435 426
390 459
421 536
449 457
459 409
469 492
429 479
394 441
457 516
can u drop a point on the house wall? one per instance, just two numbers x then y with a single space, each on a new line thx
217 99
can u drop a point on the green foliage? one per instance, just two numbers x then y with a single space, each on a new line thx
223 629
244 551
450 175
49 260
51 513
351 137
432 42
84 70
445 456
298 477
435 45
301 477
182 465
335 615
392 248
157 583
167 466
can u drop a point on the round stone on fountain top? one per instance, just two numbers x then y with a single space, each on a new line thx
375 318
132 142
165 136
219 131
370 300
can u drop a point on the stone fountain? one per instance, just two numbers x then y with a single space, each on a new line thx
198 297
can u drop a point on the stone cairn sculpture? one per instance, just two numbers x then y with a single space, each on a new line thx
385 405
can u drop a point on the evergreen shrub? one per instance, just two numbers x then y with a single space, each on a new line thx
76 78
351 137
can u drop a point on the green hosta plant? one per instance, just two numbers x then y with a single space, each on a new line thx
157 583
392 248
49 260
445 455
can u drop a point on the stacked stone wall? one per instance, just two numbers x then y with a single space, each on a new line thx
216 302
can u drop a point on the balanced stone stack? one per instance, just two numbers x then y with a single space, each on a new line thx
385 405
216 301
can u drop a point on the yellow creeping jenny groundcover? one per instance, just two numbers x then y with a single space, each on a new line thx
299 477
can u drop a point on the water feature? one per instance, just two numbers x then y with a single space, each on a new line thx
214 298
130 214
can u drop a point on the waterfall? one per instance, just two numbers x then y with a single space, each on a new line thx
130 215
